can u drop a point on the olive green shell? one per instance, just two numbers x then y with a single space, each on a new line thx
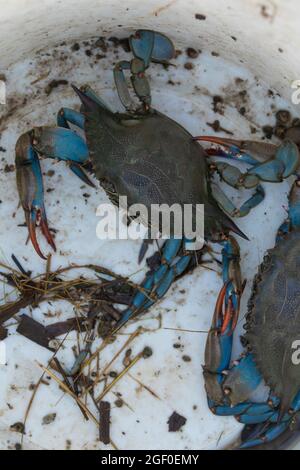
152 160
273 319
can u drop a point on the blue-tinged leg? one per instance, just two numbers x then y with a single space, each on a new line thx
63 144
228 206
157 282
241 150
252 202
288 154
121 85
174 271
234 178
247 408
67 115
232 153
31 191
242 379
141 44
274 163
149 45
270 433
293 221
294 205
146 45
219 342
271 172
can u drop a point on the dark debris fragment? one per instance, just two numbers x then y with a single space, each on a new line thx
147 352
200 17
175 422
268 131
123 42
34 331
9 168
186 358
18 427
119 403
75 47
188 66
280 131
3 333
283 117
101 44
48 419
192 53
216 126
104 430
55 84
218 104
63 327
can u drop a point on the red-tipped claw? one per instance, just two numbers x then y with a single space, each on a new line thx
220 141
31 192
228 318
37 217
263 150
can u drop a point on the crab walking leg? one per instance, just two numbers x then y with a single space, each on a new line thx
273 433
64 117
273 164
68 115
277 164
141 45
157 282
146 46
139 82
31 190
228 206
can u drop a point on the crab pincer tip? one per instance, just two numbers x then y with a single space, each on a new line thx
32 235
216 140
47 234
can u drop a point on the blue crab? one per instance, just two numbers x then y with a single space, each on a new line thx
141 154
272 322
151 159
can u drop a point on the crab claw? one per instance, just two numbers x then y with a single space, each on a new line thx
37 216
31 191
241 149
149 45
225 142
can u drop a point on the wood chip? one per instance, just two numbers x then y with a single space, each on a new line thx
34 331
